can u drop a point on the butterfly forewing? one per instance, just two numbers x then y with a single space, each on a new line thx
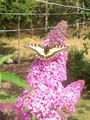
37 48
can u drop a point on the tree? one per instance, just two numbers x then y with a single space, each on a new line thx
15 6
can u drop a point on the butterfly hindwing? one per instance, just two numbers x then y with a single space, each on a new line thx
45 52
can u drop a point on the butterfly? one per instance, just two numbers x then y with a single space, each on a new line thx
45 52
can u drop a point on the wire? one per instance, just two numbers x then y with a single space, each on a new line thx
61 5
16 30
39 13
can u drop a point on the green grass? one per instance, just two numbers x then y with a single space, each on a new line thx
82 110
8 100
5 97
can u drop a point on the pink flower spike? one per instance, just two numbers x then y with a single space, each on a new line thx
49 99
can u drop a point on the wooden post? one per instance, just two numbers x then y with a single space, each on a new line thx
32 25
19 40
83 16
77 4
46 18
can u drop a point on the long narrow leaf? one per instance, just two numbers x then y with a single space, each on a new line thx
2 59
6 76
0 78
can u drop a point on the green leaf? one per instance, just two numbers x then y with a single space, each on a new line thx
2 59
0 78
14 79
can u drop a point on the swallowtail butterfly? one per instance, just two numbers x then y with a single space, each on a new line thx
45 52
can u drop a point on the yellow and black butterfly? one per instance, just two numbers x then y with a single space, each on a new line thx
45 52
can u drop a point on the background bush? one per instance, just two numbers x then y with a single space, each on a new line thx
78 66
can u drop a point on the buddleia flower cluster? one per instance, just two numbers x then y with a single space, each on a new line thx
48 98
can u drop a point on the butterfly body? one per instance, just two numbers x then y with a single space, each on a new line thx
45 52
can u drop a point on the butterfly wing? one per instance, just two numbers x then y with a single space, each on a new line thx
37 48
55 49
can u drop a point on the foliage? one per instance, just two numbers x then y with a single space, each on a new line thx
15 6
32 6
8 110
86 36
6 76
78 67
84 16
2 59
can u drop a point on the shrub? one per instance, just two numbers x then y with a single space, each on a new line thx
77 65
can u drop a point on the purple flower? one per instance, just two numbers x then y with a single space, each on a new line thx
57 35
49 100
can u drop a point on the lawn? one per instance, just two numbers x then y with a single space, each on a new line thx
82 110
